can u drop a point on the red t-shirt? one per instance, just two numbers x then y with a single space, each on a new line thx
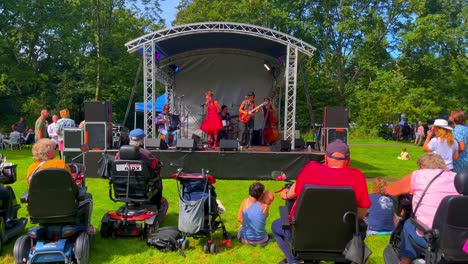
317 174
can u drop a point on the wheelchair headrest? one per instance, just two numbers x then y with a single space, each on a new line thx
129 152
461 182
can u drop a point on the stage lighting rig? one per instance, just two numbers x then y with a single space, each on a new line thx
174 68
267 66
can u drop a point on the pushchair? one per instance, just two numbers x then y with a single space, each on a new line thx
199 214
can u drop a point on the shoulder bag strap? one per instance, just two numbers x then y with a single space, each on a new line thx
35 170
425 190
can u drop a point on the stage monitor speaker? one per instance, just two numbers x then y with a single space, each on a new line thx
228 145
335 116
68 156
198 141
98 112
257 137
337 133
98 135
72 138
281 145
155 143
186 144
299 143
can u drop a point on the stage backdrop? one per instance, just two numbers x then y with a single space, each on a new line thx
229 76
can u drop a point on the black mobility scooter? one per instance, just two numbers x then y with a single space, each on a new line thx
447 240
10 225
62 210
132 182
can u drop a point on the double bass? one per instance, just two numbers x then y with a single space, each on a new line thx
270 123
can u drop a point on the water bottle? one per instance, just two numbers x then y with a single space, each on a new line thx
309 148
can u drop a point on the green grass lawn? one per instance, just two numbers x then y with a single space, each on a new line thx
374 158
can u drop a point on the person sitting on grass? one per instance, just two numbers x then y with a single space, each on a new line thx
44 158
381 217
252 216
404 155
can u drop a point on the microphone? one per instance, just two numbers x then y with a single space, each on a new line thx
182 95
202 105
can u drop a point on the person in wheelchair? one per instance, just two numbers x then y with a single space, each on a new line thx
335 172
434 176
137 138
44 158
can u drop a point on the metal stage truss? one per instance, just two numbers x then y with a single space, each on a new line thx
148 44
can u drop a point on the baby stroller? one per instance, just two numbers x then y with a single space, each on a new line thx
198 210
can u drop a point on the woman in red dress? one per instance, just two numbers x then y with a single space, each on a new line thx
212 123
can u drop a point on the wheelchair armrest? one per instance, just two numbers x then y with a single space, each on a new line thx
24 197
429 234
284 214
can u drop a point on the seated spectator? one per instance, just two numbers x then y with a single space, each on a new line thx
137 138
44 158
15 137
404 155
19 126
335 172
381 217
430 165
29 138
252 215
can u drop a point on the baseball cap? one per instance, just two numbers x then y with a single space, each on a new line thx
137 134
338 146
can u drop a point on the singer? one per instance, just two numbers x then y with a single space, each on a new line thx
247 110
212 123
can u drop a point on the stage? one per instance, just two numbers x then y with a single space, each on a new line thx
255 163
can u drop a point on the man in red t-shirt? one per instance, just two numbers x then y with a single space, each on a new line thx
335 172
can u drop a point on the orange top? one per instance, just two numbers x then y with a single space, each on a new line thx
403 186
50 164
246 203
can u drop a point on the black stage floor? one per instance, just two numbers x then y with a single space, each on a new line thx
254 163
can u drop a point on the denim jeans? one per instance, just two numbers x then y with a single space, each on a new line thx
407 249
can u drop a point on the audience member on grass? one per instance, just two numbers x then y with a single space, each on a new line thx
460 132
443 143
137 138
15 136
404 155
335 172
19 126
44 158
52 129
64 122
29 138
420 135
380 217
430 165
252 215
40 128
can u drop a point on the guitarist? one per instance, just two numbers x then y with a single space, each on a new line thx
247 127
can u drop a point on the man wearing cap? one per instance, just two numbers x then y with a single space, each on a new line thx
247 128
335 172
137 138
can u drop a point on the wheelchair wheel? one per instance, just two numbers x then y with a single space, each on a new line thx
206 248
185 245
82 248
21 249
151 229
213 248
105 232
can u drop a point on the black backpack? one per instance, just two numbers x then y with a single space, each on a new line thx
165 239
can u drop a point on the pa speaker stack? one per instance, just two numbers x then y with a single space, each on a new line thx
335 124
72 141
98 125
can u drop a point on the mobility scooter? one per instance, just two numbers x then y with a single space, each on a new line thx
131 181
10 225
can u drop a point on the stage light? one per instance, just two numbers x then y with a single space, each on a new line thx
174 68
267 66
157 56
280 59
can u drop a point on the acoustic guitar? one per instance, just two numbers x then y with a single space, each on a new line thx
245 117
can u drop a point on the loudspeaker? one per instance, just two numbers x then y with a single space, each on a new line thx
336 133
72 138
98 112
68 156
335 116
257 137
155 143
98 135
198 140
228 144
299 143
281 145
186 144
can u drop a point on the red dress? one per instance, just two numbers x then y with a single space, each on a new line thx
212 122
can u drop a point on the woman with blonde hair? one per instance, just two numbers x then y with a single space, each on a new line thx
212 123
443 143
62 123
432 168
